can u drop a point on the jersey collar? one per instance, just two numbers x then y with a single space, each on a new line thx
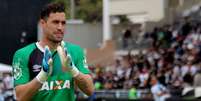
40 47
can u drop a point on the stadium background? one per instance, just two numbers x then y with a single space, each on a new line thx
19 27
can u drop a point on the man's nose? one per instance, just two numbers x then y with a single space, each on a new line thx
60 26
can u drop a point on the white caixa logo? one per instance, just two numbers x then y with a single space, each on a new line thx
56 85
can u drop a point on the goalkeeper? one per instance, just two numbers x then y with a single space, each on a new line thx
49 69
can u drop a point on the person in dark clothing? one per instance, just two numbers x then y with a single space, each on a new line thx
127 38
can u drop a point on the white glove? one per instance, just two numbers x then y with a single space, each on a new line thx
66 60
46 69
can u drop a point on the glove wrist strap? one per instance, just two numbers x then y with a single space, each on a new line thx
74 72
42 76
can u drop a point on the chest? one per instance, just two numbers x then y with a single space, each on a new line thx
35 66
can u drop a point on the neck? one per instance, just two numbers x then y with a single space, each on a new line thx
50 44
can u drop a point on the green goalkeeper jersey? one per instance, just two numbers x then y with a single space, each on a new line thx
59 86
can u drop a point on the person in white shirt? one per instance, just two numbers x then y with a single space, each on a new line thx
188 68
159 92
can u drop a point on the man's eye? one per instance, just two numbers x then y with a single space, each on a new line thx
55 22
63 22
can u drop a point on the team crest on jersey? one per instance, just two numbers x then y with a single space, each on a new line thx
17 70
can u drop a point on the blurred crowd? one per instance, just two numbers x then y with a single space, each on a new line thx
6 87
174 58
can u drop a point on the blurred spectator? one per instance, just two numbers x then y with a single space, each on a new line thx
154 36
132 93
186 28
143 76
160 92
197 79
127 38
188 91
2 98
8 86
7 81
188 68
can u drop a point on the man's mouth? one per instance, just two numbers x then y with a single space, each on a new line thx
59 34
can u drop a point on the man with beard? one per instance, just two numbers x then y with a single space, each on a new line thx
49 69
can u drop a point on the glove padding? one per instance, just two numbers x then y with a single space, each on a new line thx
46 69
66 60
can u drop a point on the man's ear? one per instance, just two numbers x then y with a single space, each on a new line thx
42 22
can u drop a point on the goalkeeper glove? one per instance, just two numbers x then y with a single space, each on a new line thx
66 60
46 69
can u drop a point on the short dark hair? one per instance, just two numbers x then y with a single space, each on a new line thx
52 8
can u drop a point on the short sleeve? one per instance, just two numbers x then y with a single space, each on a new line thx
20 69
82 62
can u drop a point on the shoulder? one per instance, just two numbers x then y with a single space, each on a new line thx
155 88
25 50
73 47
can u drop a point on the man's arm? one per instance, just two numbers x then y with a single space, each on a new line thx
85 83
26 91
